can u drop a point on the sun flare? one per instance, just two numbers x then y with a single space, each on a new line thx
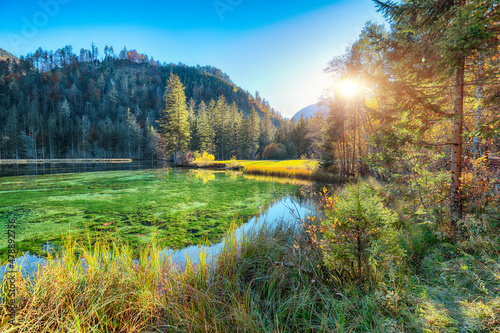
349 88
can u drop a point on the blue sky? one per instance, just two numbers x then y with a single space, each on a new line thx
279 48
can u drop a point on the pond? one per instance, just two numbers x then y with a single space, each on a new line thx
284 210
182 206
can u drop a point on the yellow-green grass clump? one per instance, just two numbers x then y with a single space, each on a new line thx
260 282
299 169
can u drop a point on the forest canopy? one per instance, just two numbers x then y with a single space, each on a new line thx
61 105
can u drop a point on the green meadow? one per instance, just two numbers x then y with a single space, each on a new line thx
186 207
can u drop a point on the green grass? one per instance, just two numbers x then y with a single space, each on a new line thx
460 290
273 280
184 206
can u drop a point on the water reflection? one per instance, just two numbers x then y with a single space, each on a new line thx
72 166
285 210
205 175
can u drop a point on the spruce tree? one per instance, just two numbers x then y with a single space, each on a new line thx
253 129
192 125
203 128
173 123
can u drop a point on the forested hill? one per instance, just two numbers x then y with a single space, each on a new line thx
58 104
200 85
5 56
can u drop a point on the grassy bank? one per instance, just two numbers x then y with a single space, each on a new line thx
270 281
185 206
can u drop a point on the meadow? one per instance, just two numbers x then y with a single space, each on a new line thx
299 169
184 206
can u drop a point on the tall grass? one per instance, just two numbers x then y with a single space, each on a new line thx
278 171
271 280
291 171
298 169
267 281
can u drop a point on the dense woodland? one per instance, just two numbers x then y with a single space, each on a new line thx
60 105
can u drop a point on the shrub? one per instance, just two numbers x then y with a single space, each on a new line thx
203 160
274 151
185 158
359 243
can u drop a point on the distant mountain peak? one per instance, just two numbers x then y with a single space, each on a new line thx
309 111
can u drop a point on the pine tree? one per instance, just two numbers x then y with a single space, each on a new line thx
173 123
211 119
194 143
235 119
203 128
253 133
266 130
221 127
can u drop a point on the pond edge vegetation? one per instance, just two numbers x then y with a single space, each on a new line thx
307 169
358 268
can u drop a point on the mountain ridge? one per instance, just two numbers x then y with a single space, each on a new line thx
4 55
309 111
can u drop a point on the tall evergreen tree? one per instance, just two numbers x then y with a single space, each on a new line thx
253 129
221 127
211 118
191 106
173 122
203 128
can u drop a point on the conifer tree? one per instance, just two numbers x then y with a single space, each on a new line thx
221 127
173 123
191 106
211 118
266 130
203 128
234 123
253 133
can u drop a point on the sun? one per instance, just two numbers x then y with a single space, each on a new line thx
349 88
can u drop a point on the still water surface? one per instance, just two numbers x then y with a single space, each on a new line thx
34 169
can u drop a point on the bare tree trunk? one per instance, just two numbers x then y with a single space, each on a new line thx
175 158
456 149
476 141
